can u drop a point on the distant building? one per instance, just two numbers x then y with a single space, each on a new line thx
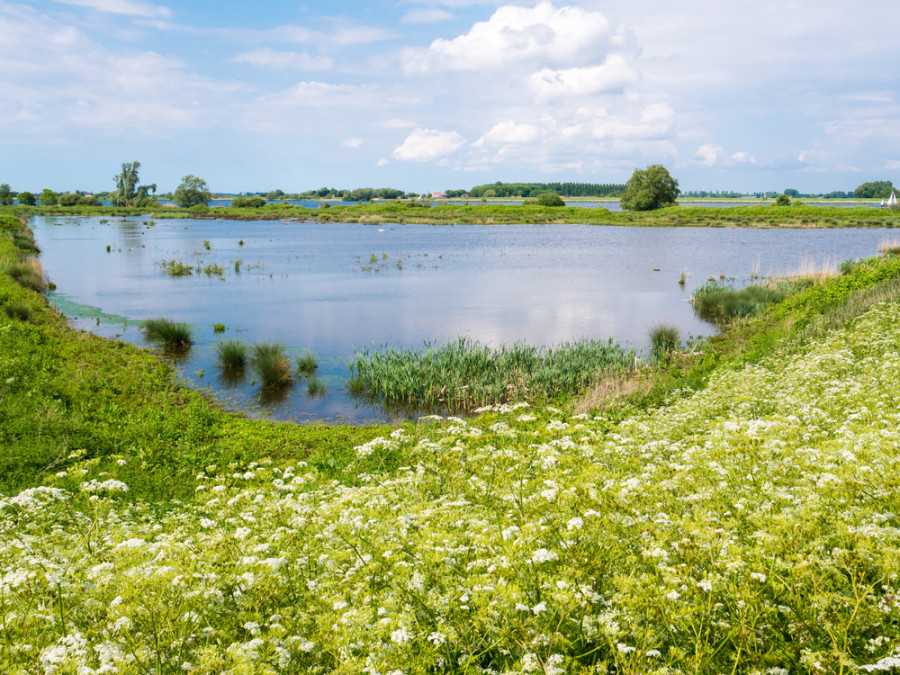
439 195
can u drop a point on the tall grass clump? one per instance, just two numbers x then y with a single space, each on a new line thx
271 365
23 240
232 355
28 274
889 247
169 334
18 310
664 340
719 303
307 364
464 375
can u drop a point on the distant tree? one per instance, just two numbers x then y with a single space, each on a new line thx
192 191
790 192
89 200
274 195
6 195
69 199
128 192
783 200
649 189
26 199
550 199
48 197
880 189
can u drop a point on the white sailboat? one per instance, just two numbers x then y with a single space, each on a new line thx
892 201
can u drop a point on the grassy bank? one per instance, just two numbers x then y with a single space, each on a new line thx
742 518
499 214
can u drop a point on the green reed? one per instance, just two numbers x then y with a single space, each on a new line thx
231 354
271 365
465 374
169 334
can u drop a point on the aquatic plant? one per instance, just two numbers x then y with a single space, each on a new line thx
214 269
889 247
176 268
231 354
218 328
271 365
171 335
315 386
718 302
664 340
465 374
307 363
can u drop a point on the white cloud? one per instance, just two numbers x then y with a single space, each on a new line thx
565 36
382 162
709 153
128 7
424 145
743 158
351 142
421 16
613 75
270 58
508 133
654 122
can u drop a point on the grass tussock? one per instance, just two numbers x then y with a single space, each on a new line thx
271 364
29 274
176 268
465 375
307 364
170 335
664 339
18 310
232 355
612 390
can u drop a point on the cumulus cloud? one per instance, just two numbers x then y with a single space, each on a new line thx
709 153
424 145
613 75
743 158
129 7
654 122
270 58
382 162
508 133
546 34
351 142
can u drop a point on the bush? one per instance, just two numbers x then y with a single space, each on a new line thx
254 202
69 199
18 310
550 199
783 200
89 200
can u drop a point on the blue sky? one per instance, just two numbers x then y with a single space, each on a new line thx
438 94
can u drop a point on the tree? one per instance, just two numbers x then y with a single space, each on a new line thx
69 199
649 189
880 189
26 199
791 192
191 192
254 202
48 197
6 195
783 200
128 192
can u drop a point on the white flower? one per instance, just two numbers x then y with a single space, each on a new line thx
400 636
625 649
705 584
759 576
542 555
539 608
575 523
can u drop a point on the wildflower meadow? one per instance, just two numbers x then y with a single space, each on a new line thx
749 527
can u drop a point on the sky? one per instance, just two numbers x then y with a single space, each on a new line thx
425 95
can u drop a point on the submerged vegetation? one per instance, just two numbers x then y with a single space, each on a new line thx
737 515
463 375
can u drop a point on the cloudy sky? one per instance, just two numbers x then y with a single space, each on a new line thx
437 94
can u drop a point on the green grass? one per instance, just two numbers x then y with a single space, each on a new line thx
171 335
27 274
232 354
664 339
465 375
315 387
307 364
271 364
719 303
176 268
18 310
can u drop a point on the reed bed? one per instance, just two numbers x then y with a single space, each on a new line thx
28 274
719 303
664 340
890 246
463 375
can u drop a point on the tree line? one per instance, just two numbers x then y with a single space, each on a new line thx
537 189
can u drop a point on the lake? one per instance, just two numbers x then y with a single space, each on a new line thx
338 288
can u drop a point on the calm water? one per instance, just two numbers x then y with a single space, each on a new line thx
338 288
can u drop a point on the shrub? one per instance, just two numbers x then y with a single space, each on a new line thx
89 200
69 199
783 200
550 199
254 202
171 335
